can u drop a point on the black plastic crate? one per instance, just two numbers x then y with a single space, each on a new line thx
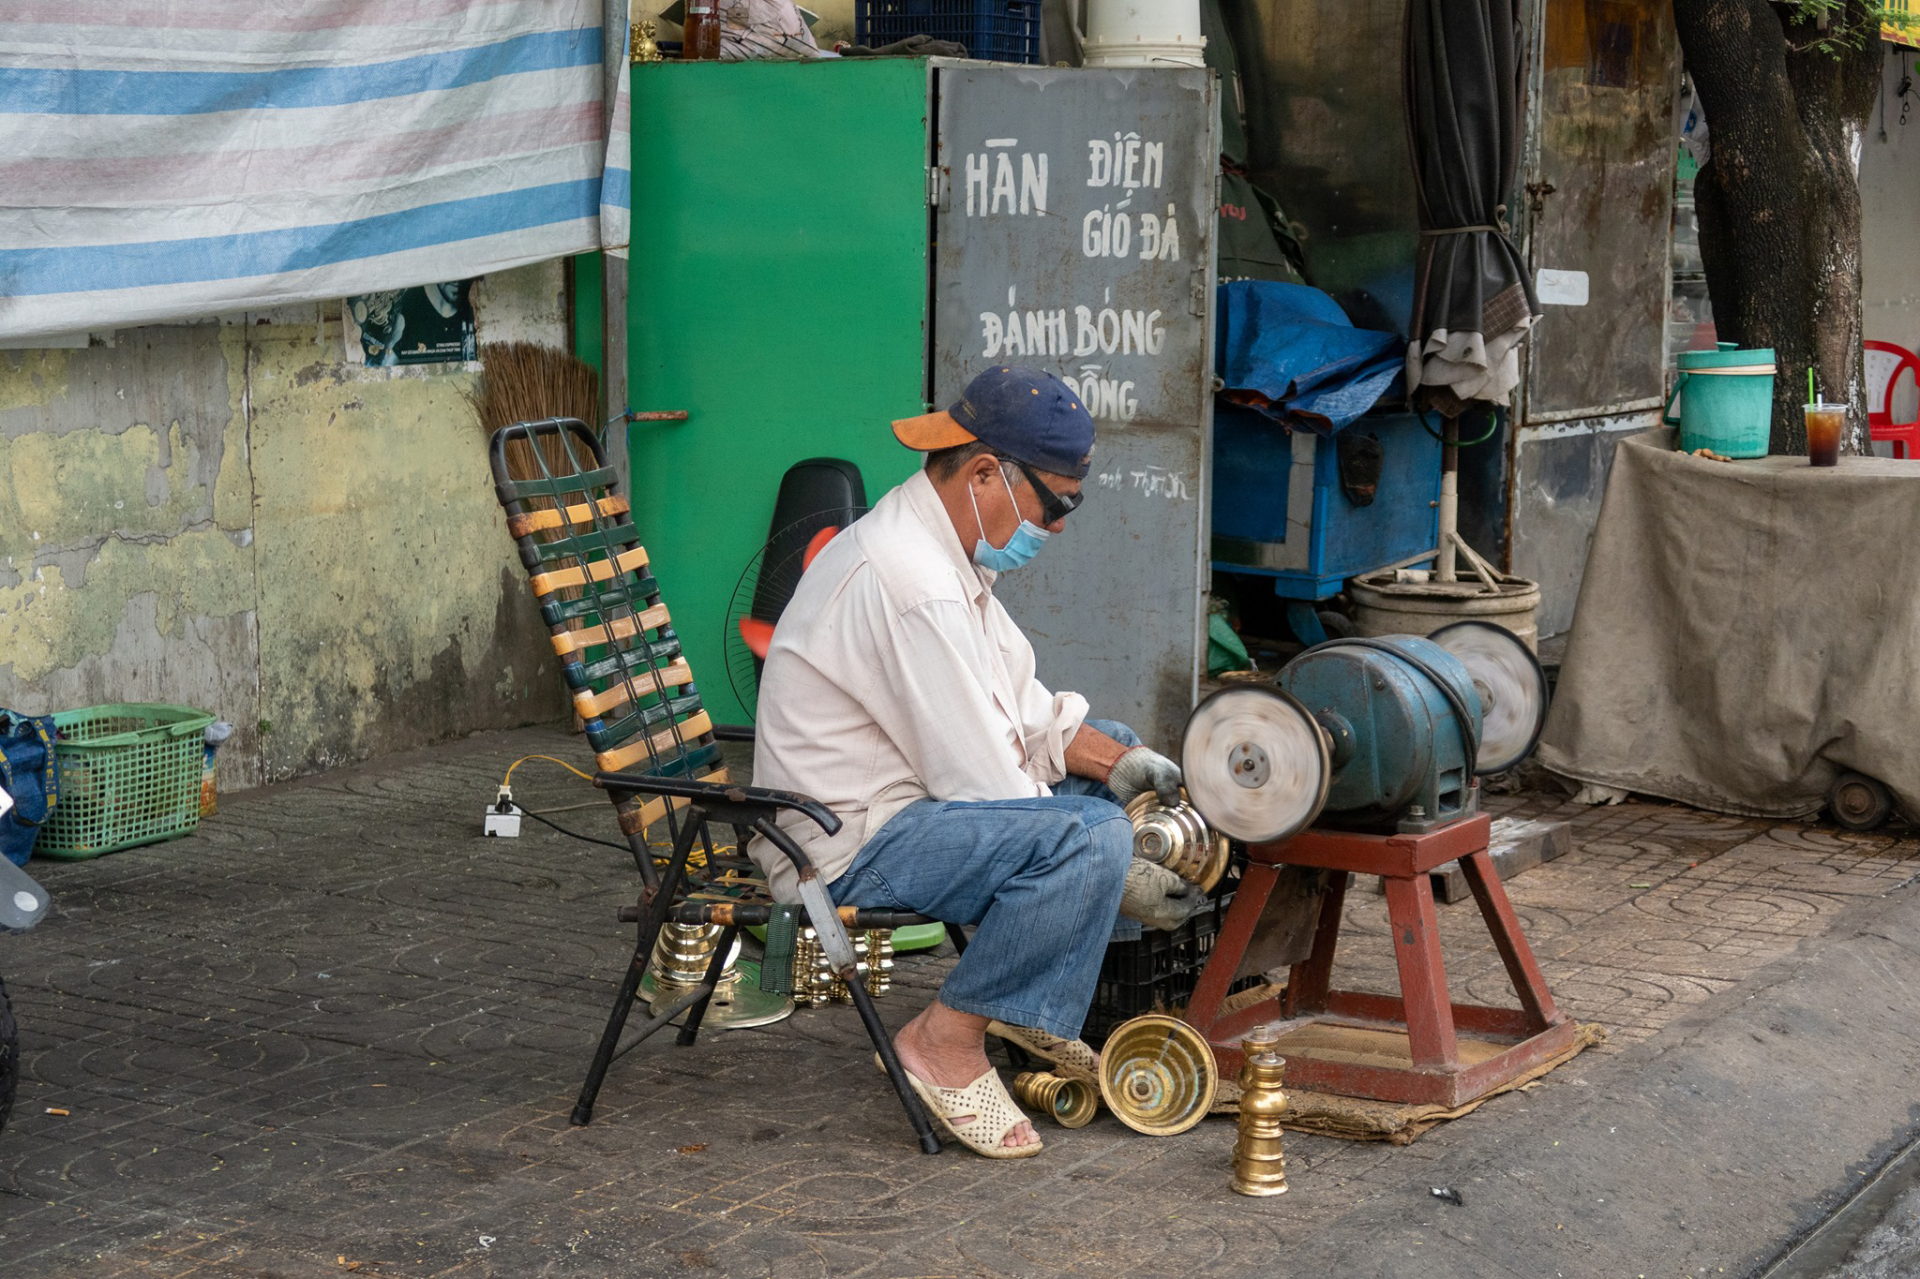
1157 973
992 30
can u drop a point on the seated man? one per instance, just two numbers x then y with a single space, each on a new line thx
899 693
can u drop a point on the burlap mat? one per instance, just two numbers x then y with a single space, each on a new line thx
1362 1119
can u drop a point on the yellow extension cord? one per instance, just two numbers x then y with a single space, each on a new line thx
695 857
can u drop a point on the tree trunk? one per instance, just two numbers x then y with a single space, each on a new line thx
1779 199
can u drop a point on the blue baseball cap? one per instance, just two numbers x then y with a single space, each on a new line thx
1025 414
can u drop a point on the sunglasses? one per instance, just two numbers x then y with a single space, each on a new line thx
1053 506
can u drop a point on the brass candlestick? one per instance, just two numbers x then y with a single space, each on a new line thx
1259 1167
680 956
879 961
1071 1103
814 981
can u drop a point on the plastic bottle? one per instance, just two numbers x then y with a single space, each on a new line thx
700 35
216 735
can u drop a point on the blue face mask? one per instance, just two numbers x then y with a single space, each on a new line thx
1020 548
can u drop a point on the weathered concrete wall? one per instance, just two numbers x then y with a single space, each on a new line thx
228 516
1890 210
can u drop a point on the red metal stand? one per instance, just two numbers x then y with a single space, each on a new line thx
1420 1048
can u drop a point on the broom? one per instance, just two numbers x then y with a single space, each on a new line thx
525 382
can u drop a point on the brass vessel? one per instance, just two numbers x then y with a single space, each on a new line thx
1157 1075
1071 1103
680 957
1259 1167
1177 838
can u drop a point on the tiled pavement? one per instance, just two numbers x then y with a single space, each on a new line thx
337 1032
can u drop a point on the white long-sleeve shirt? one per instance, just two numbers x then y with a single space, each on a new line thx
894 675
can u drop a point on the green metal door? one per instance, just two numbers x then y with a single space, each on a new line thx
778 294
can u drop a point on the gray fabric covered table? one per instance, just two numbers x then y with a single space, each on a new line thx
1746 631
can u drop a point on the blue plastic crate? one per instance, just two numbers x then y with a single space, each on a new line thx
992 30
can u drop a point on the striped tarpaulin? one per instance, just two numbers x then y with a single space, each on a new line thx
179 158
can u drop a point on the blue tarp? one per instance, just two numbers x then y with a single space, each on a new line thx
1290 352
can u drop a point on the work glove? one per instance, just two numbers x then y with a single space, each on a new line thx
1159 898
1142 770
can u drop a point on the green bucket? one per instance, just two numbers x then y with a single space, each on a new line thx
1729 404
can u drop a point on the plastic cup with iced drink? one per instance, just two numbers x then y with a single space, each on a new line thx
1824 424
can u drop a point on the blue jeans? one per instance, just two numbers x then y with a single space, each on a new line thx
1041 877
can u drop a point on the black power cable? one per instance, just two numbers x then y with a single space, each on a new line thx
585 839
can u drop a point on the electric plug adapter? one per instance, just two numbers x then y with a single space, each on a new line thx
502 818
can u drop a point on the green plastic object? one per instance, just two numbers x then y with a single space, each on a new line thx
912 937
1729 401
776 964
778 294
918 937
129 774
1225 649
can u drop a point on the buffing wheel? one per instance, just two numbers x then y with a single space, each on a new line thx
1512 689
1255 763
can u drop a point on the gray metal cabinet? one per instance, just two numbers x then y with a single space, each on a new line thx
1074 220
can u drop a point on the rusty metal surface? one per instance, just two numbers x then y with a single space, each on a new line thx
1074 219
1600 201
1559 478
1326 135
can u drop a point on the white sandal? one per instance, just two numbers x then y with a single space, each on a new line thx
983 1103
1069 1057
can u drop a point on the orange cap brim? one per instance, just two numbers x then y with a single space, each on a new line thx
931 431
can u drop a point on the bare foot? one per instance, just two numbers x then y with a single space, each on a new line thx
949 1048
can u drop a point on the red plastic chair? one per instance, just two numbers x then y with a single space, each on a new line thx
1885 363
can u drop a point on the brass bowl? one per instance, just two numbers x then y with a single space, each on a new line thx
1178 838
1157 1075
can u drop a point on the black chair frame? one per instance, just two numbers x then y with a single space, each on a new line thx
638 703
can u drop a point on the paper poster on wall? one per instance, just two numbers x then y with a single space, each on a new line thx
428 324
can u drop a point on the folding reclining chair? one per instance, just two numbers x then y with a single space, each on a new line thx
642 713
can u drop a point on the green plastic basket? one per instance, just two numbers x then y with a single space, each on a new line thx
129 774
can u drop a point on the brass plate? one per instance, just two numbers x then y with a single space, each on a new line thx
738 1004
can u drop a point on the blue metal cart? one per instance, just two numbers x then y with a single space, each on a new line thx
1280 510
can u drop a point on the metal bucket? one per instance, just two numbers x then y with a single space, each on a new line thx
1421 608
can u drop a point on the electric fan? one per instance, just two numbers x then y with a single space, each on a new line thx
766 584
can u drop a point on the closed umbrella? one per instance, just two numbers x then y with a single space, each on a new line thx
1472 299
